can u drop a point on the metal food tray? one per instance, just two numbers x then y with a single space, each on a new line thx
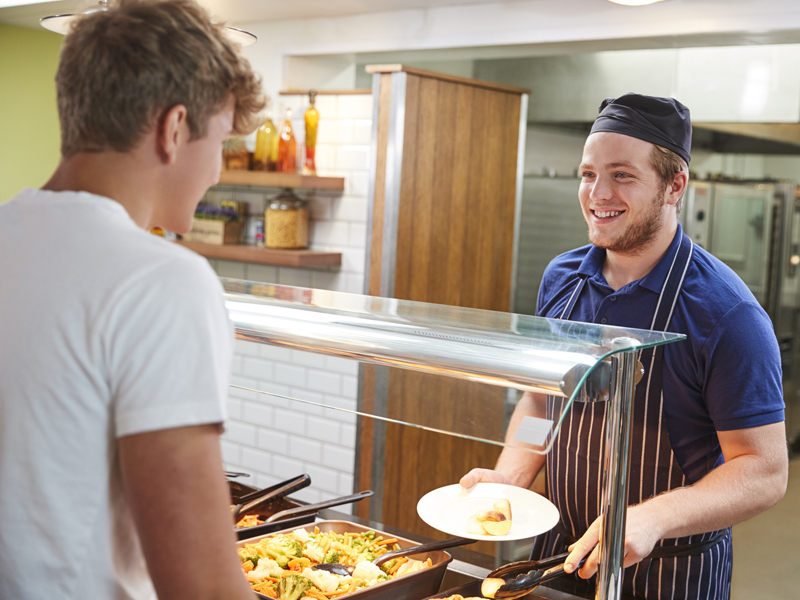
237 490
413 586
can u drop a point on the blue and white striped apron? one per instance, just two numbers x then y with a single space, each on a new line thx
575 468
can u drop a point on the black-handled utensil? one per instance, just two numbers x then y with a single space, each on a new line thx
341 569
250 501
301 510
235 474
501 584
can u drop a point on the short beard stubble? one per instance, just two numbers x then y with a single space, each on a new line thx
640 234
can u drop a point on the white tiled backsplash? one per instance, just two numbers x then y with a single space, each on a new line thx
273 438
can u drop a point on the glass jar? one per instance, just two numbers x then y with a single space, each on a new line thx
287 221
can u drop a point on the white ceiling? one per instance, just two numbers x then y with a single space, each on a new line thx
241 11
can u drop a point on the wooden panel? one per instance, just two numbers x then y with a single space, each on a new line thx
421 208
470 274
442 198
419 461
405 217
265 256
376 253
454 246
489 85
366 439
460 200
281 180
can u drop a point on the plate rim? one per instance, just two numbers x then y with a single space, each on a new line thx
488 537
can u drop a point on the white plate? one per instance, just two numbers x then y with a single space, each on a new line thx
447 509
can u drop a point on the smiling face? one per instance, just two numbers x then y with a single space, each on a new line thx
624 202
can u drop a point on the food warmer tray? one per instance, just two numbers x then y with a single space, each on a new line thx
407 587
238 490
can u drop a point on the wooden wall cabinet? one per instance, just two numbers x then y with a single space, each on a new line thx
447 169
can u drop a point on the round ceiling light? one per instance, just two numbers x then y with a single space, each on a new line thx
62 23
635 2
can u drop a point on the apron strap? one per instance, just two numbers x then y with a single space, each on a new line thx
672 286
573 299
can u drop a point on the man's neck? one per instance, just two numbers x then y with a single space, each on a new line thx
620 269
114 175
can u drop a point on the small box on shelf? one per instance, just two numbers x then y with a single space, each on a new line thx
209 231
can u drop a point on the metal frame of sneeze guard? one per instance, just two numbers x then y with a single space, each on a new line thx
549 356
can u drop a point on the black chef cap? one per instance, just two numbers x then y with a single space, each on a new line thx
662 121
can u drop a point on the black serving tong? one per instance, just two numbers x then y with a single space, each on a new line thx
307 508
250 501
344 570
517 579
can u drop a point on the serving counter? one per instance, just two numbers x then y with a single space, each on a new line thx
578 361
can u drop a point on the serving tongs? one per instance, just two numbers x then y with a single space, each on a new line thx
517 579
308 508
344 570
250 501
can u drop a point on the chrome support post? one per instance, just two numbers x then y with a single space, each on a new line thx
615 479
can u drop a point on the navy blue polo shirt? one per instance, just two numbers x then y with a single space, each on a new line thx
725 376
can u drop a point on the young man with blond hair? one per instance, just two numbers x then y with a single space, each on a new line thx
116 345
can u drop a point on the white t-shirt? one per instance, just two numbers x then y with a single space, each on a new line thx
105 331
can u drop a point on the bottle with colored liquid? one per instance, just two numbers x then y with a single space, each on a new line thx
266 154
312 121
287 146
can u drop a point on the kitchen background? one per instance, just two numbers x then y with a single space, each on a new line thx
735 63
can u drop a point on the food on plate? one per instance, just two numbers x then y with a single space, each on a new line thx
269 562
496 521
490 585
460 597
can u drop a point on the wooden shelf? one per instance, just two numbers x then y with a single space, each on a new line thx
266 256
280 180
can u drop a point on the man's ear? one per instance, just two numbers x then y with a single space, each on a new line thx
172 130
678 186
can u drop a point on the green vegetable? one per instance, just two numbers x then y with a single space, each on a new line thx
292 587
387 566
332 556
281 559
364 555
282 549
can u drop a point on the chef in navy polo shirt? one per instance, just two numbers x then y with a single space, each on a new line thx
708 447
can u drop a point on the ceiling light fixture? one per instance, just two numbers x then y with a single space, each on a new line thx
62 23
635 2
8 3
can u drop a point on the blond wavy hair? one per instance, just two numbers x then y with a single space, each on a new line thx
668 164
121 69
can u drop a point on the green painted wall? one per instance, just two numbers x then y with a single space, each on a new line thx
29 132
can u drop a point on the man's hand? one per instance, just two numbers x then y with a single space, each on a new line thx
642 533
483 475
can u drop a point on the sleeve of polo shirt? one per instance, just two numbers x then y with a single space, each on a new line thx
170 348
742 370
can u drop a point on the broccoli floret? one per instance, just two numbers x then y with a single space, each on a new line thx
244 556
292 587
286 545
281 559
332 556
365 555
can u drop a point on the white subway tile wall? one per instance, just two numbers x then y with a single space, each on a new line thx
273 438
